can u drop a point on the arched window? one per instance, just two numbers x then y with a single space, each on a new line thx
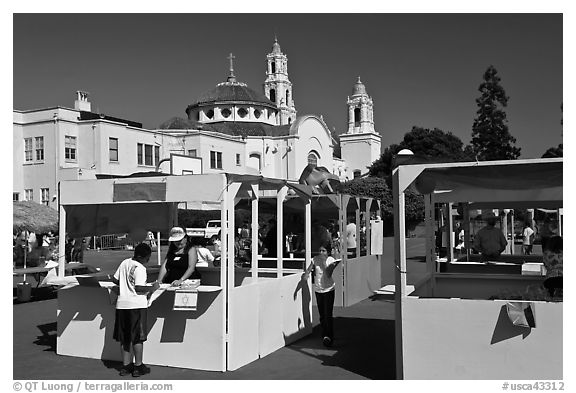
272 95
273 67
242 112
313 158
357 117
257 113
226 112
289 120
254 161
287 96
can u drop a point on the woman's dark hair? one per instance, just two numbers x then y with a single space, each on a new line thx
327 246
172 248
554 244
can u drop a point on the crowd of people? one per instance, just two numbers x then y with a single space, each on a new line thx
37 248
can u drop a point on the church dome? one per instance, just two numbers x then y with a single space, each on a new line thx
359 88
231 93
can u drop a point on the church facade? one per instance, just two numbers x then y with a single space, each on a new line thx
231 128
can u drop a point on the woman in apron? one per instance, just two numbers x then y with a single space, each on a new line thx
180 262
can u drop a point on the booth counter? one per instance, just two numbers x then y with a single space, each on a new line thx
471 320
266 314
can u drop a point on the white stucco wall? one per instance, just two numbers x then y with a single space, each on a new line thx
17 161
313 135
360 150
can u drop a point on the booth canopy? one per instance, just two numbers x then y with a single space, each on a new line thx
104 206
514 184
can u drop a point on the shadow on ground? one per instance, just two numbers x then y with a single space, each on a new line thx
37 294
48 337
361 346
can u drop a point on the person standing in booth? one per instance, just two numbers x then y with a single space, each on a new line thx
351 236
527 239
181 259
323 265
490 241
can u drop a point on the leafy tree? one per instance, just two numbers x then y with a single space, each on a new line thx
376 187
176 123
430 145
491 139
554 152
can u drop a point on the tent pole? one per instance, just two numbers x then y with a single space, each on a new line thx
62 242
280 196
25 252
400 266
254 256
158 248
450 233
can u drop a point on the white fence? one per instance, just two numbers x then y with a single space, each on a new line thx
119 241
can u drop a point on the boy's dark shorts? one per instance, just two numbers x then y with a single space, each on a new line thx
130 326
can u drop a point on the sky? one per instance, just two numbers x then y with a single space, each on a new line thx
420 69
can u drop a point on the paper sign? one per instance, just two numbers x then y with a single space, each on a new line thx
521 314
376 237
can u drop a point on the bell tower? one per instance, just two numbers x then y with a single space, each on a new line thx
361 143
277 86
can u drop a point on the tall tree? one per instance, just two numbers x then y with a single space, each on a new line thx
554 152
491 139
431 145
376 187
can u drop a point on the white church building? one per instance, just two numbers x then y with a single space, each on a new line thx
231 128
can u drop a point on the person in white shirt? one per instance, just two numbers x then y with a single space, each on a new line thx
527 239
131 310
351 238
323 265
204 254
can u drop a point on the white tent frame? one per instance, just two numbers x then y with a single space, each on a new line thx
405 177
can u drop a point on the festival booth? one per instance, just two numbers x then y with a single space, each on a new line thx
360 273
484 324
234 317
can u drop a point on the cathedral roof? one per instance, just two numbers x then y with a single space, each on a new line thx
227 127
231 93
247 129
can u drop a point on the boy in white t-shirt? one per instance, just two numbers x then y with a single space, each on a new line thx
131 310
527 239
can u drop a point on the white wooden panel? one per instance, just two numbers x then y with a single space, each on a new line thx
297 319
85 324
184 339
270 317
472 339
243 333
362 278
